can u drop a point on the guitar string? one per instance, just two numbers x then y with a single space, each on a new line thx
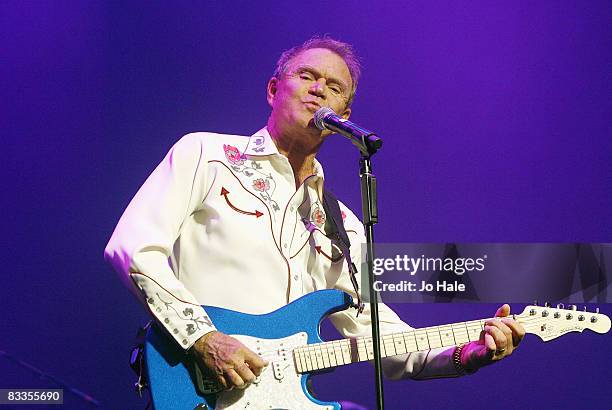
436 329
531 322
391 337
453 326
362 342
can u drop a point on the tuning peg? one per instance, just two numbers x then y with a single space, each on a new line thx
584 309
560 306
546 304
535 303
596 310
572 307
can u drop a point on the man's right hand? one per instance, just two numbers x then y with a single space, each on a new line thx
228 360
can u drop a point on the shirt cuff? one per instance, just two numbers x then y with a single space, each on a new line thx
438 364
185 322
430 364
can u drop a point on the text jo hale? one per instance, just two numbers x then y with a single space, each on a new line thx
424 286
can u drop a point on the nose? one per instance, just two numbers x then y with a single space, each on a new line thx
318 88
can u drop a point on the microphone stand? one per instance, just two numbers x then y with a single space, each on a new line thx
368 144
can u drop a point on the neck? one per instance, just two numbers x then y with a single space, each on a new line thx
300 151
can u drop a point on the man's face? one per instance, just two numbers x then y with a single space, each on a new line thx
314 78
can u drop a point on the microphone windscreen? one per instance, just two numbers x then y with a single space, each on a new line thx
320 115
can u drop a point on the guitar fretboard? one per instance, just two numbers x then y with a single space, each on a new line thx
326 355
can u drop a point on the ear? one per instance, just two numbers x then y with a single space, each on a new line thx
271 90
346 113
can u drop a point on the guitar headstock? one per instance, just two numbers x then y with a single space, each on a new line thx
549 323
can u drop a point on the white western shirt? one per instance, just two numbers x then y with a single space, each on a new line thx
219 222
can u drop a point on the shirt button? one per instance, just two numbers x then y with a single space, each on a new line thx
292 209
295 277
285 246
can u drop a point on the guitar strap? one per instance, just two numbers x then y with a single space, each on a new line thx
335 230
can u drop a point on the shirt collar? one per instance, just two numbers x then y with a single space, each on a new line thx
318 171
261 143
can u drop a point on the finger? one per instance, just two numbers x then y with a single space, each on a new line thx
518 331
504 310
245 374
222 381
489 342
256 363
234 379
501 325
499 338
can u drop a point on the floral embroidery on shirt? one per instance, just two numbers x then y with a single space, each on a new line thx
187 316
233 155
261 184
318 216
343 215
259 142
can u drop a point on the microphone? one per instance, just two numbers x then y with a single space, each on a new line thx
366 141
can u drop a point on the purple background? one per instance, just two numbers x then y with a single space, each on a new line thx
496 124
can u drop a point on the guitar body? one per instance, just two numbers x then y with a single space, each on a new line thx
173 381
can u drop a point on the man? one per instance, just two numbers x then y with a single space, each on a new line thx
238 222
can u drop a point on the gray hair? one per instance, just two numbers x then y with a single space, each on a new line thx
344 50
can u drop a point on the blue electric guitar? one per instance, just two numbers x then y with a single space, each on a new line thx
288 339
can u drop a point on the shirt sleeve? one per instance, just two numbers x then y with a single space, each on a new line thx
434 363
140 248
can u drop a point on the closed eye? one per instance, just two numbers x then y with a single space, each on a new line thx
305 75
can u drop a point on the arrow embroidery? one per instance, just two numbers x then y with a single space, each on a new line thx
225 192
320 251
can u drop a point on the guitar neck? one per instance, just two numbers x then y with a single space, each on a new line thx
326 355
545 322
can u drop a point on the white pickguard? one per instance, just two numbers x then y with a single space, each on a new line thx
279 386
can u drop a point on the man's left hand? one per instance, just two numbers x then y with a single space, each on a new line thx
500 337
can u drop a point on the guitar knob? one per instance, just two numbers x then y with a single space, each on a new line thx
581 318
557 315
544 313
569 316
593 319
